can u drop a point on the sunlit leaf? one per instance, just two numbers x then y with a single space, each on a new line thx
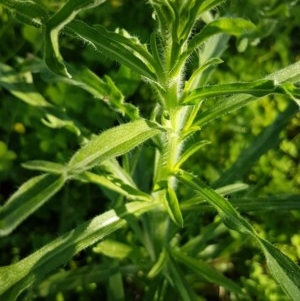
288 74
112 143
113 249
232 26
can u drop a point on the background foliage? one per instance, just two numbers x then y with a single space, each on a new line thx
26 135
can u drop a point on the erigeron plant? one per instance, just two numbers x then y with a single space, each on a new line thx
155 217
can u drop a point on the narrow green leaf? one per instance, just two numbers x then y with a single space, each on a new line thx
267 139
115 288
101 40
172 204
45 166
112 143
189 152
159 265
179 282
207 272
200 202
79 277
27 199
257 88
282 268
194 79
54 25
208 4
114 184
104 89
277 203
231 218
233 26
113 249
17 277
289 74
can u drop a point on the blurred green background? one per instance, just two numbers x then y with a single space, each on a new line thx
24 136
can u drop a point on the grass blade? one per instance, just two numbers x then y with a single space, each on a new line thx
27 199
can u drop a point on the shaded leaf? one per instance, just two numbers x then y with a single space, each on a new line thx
28 12
281 267
17 277
27 199
206 271
267 139
54 25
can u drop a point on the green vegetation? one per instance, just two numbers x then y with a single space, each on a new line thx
149 150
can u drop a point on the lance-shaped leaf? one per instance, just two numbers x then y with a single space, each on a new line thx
27 199
257 88
17 277
289 74
282 268
112 143
232 26
189 152
129 191
113 46
173 208
54 25
45 166
191 11
102 88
